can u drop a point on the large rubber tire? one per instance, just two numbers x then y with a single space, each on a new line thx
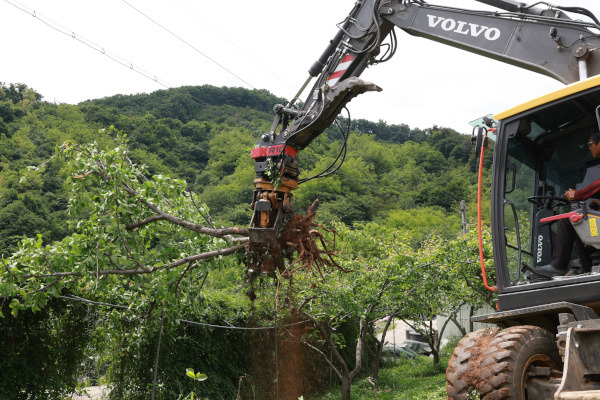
494 362
503 367
467 351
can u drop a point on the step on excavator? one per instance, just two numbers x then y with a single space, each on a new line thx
544 339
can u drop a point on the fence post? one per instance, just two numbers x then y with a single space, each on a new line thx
463 212
162 318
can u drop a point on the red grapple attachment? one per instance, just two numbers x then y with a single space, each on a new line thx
276 176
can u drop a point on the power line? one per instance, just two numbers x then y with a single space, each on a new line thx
68 32
240 328
235 45
65 31
187 43
61 29
97 303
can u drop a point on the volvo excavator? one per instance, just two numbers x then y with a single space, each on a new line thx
544 340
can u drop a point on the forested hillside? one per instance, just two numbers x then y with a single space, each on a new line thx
397 176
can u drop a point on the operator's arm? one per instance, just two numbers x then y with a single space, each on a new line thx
592 190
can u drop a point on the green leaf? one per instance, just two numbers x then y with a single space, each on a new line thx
190 372
201 377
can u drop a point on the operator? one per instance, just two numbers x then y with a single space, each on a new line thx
566 235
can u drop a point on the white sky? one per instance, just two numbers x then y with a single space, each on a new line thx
424 84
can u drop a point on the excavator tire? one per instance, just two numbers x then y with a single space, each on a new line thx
458 381
503 368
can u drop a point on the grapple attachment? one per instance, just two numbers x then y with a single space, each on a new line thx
276 176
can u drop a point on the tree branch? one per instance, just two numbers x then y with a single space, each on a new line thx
185 260
8 269
451 317
462 330
363 329
131 256
143 222
112 262
470 285
319 351
205 216
327 337
185 271
48 286
219 233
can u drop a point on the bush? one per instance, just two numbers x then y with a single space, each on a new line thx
42 351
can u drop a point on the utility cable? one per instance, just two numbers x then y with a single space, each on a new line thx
97 303
65 31
187 43
94 46
235 45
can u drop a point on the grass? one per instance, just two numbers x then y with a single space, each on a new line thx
404 379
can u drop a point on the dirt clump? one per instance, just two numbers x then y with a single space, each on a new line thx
474 369
301 243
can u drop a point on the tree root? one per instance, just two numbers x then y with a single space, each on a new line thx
301 243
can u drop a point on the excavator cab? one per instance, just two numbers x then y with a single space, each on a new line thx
541 151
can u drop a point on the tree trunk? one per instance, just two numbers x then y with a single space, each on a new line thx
346 388
471 312
436 356
434 342
380 344
375 366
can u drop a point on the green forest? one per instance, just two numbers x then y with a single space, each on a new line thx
75 180
393 175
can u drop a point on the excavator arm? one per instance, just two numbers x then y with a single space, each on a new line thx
541 39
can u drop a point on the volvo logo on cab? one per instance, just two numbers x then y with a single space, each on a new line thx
465 28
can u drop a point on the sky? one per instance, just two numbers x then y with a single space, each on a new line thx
262 44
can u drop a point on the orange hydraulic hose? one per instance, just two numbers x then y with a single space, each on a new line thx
480 235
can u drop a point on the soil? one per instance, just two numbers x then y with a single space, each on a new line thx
302 243
473 374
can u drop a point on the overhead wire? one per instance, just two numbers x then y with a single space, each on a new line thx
97 303
61 29
186 43
235 45
102 50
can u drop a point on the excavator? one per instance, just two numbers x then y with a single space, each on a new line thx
544 339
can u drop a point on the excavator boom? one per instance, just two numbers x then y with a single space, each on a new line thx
543 40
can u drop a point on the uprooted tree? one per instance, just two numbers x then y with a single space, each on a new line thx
140 241
139 232
127 231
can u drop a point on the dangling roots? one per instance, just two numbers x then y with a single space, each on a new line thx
302 244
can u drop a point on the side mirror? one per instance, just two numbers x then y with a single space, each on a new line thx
479 139
598 116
